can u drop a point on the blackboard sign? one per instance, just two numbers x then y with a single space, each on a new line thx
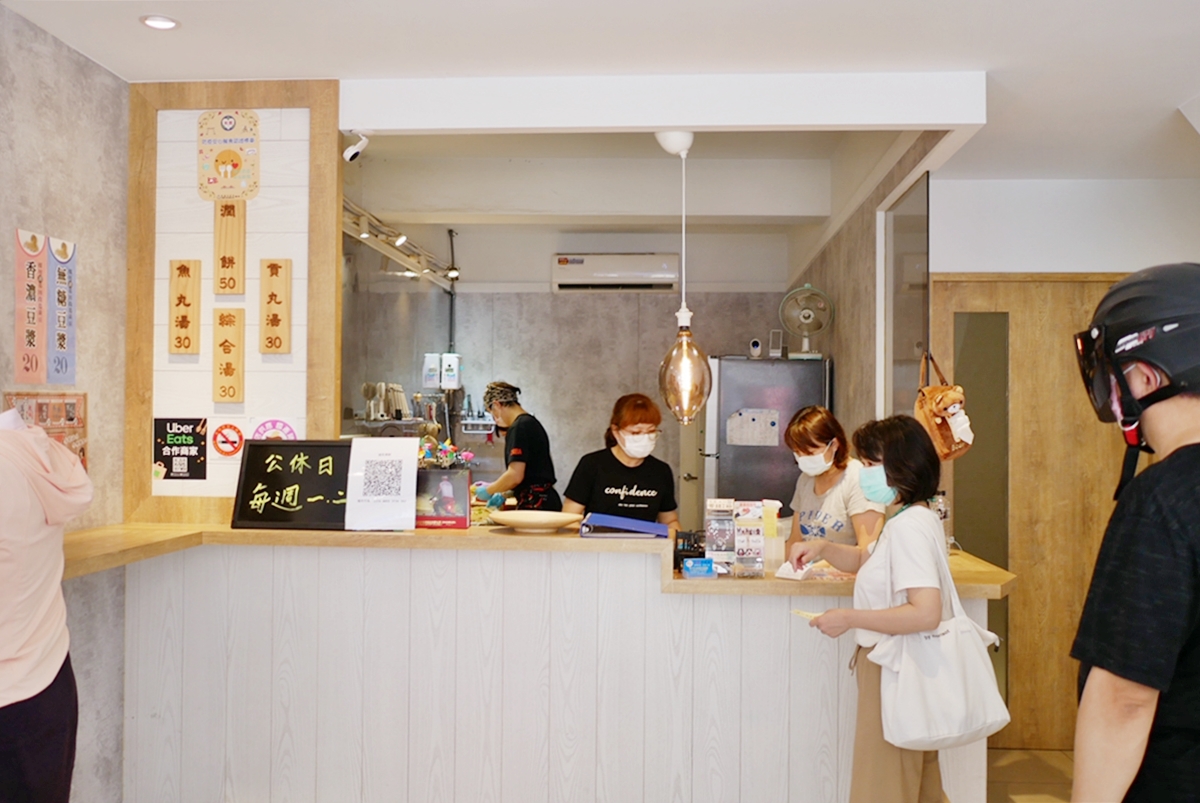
298 485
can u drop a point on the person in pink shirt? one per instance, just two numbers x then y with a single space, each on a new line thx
42 486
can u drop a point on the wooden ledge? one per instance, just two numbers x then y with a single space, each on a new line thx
95 550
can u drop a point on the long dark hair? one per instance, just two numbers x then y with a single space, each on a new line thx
909 458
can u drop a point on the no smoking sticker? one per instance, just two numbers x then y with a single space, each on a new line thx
228 440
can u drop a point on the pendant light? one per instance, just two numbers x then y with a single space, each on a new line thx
684 378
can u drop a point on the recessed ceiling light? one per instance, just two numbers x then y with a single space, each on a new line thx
159 23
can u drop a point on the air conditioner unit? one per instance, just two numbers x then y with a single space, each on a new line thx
573 273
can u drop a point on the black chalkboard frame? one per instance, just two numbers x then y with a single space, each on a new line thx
243 491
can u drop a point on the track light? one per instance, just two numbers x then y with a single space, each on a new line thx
410 273
355 150
402 239
452 273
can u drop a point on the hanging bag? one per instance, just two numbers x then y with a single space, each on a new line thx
938 688
941 409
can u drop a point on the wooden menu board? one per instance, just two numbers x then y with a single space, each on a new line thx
229 247
229 363
275 306
297 485
183 304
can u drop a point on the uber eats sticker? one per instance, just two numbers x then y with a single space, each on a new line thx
180 448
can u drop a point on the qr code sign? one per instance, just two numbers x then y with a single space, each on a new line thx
383 478
179 465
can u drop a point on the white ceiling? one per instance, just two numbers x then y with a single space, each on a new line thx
1076 88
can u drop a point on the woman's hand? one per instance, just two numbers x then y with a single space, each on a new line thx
834 622
803 552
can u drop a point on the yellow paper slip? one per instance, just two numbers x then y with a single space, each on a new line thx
806 614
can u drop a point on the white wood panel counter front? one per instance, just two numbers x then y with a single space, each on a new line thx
263 666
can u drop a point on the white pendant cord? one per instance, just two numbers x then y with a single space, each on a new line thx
683 235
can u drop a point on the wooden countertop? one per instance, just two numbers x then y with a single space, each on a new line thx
95 550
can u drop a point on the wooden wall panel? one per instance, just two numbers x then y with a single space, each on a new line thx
339 675
324 271
1063 467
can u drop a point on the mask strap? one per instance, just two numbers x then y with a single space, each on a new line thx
1131 414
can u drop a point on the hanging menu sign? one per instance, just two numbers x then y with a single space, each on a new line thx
293 484
61 321
229 255
228 355
29 357
275 305
184 302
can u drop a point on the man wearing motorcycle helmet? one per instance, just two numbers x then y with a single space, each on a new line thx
1137 735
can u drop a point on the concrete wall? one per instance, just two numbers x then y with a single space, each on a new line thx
845 270
63 172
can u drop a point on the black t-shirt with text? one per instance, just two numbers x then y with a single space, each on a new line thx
1140 621
603 484
527 442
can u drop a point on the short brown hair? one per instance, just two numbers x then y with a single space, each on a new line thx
631 409
814 427
908 456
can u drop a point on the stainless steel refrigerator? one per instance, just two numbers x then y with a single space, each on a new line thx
749 408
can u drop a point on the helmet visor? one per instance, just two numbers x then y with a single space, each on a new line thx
1094 368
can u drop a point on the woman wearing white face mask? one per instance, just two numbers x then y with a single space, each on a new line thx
828 503
624 480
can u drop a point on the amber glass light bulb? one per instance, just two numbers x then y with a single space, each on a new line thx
684 378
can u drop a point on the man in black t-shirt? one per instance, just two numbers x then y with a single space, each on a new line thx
529 469
1138 729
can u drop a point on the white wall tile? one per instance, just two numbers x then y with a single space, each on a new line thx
295 124
277 210
180 209
284 164
178 125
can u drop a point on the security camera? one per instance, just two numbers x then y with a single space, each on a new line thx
355 150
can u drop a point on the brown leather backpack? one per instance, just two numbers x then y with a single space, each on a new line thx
934 408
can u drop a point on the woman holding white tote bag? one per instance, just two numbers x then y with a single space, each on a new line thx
897 591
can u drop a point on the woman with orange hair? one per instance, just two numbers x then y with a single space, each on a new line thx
623 479
828 502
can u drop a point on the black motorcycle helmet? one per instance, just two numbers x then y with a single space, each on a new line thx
1152 316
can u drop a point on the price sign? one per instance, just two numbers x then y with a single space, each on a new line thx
275 306
228 355
183 305
29 358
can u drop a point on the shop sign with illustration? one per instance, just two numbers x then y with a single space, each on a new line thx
180 448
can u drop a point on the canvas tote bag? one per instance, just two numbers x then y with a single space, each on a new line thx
939 408
938 688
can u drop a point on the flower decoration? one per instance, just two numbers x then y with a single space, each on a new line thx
442 455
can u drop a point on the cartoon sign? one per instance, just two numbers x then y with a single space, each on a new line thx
228 146
272 429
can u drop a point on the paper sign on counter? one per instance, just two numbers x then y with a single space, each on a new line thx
752 427
381 489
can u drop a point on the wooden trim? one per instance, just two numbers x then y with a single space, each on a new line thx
324 272
1107 278
89 551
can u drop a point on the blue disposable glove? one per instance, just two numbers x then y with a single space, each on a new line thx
481 493
497 501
